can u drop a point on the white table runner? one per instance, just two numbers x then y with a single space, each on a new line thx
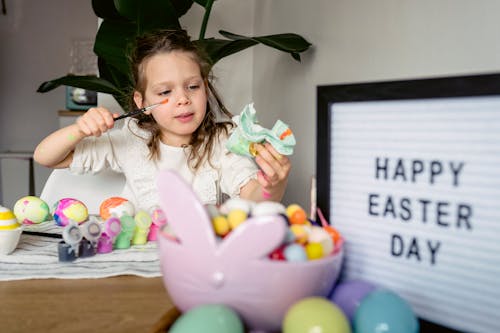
36 257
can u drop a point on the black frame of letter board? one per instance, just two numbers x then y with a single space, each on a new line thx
426 88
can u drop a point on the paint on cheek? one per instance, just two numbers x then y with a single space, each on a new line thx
71 137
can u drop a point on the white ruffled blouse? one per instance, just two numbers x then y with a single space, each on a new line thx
125 150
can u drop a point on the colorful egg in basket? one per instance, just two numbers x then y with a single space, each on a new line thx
69 209
235 271
31 210
116 206
10 231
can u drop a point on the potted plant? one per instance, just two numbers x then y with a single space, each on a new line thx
123 20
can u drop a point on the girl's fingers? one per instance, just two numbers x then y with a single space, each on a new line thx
277 156
83 126
274 170
99 120
109 119
268 170
262 179
96 121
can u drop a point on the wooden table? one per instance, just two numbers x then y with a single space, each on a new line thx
116 304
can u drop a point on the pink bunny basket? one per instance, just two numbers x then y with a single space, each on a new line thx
236 271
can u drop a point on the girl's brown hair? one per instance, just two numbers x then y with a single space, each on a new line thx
204 138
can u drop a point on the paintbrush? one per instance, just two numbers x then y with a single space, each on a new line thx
139 111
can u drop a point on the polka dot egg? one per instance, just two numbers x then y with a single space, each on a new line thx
69 209
31 210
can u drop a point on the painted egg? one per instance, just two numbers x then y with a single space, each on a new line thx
236 203
295 252
8 220
209 318
268 208
69 209
320 235
236 217
116 206
10 231
31 210
296 214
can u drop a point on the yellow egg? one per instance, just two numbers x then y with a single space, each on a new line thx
10 231
314 251
320 235
236 217
8 220
221 225
299 232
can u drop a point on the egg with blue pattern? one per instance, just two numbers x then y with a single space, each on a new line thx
69 209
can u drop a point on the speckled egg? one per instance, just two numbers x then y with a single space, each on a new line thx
116 206
69 209
31 210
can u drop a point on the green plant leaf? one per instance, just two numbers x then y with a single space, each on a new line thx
106 9
289 42
217 49
202 3
182 6
121 80
89 82
127 8
112 43
150 14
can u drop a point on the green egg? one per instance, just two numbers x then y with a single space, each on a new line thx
209 318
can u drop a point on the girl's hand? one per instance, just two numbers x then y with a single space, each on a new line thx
95 121
274 171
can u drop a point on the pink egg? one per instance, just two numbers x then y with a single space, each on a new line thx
69 209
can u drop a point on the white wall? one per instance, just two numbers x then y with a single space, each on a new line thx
35 39
362 40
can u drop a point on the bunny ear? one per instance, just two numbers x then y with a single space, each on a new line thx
185 213
253 239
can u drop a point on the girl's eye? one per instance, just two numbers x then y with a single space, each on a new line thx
166 92
194 86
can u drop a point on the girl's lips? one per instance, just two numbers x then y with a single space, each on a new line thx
185 117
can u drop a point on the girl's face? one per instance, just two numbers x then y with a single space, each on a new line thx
177 77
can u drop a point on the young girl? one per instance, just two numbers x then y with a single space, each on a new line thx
182 133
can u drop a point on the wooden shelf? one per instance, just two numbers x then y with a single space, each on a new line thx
70 113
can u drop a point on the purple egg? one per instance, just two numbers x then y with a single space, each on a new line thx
348 295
